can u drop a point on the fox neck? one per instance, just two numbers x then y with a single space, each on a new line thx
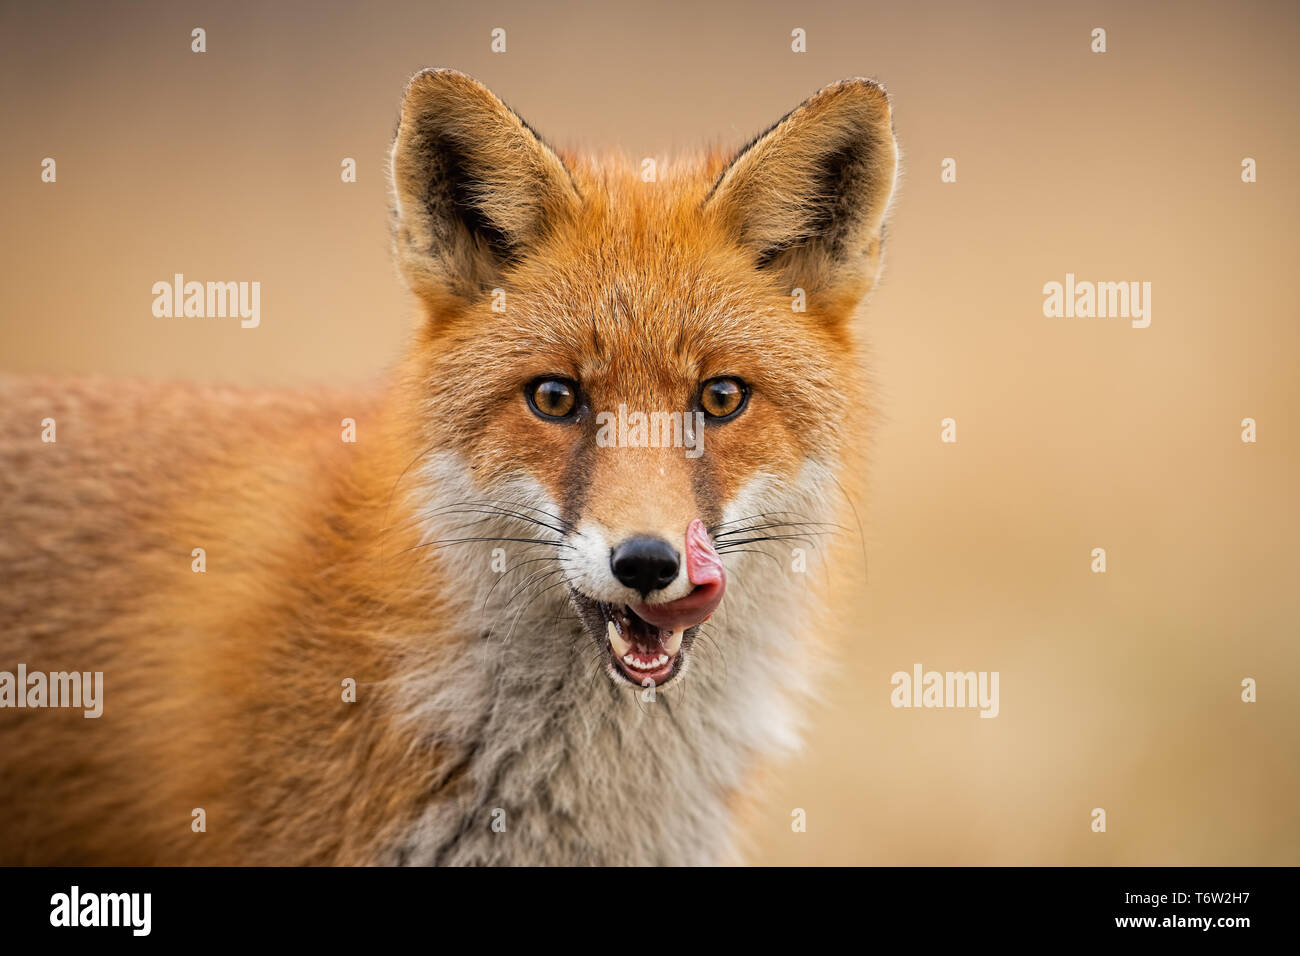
558 764
552 762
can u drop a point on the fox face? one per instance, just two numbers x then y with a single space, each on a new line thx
638 383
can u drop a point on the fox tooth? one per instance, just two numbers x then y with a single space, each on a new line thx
674 642
621 647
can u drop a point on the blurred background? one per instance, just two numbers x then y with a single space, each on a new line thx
1119 690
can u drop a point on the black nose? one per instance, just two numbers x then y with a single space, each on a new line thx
644 564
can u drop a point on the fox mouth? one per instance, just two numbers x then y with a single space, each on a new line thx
648 643
639 651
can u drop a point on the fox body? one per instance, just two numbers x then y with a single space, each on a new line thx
476 634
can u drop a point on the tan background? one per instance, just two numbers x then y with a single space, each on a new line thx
1119 690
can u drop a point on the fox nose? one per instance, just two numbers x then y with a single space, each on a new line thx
645 564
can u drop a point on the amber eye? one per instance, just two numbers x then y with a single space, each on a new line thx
723 398
552 397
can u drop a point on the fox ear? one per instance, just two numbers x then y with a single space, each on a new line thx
473 186
809 196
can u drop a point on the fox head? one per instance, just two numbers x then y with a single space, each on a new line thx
635 382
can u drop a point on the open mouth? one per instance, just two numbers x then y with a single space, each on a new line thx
648 642
642 652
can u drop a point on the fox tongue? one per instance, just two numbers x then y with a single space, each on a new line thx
705 571
703 563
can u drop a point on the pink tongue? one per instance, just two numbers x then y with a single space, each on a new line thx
705 571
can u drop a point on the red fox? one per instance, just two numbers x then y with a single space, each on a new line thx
541 610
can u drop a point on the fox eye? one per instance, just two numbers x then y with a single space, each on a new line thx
723 398
552 398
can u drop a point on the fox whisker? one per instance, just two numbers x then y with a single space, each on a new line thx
806 536
533 601
513 568
781 524
754 517
537 578
491 510
754 551
447 542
